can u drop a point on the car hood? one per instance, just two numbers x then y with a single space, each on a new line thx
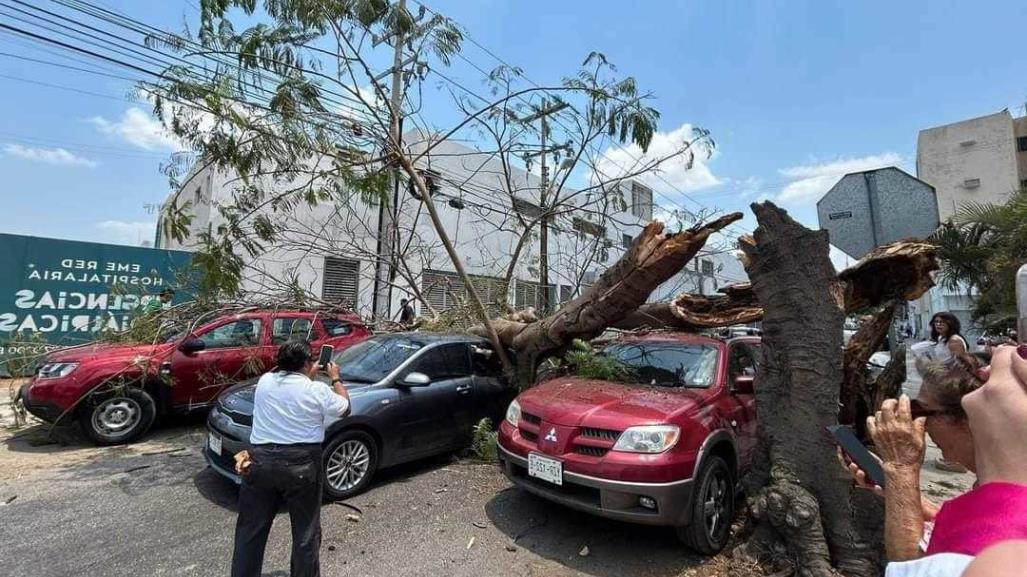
238 398
107 352
581 402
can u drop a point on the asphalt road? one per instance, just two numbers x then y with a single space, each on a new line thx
155 509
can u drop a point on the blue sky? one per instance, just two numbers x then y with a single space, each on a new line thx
795 93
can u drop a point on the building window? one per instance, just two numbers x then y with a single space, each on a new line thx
707 267
444 290
641 201
590 228
1021 143
530 294
626 240
1023 185
972 183
526 209
566 293
340 281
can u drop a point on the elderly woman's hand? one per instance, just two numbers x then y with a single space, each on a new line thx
898 438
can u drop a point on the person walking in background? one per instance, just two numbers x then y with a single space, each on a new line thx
290 414
945 334
948 343
162 302
406 312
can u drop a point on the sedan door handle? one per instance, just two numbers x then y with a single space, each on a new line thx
463 388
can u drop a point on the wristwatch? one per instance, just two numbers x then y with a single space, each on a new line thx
336 381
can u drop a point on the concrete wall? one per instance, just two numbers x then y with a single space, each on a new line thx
981 149
484 233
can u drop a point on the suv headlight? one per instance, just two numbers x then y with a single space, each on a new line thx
513 413
55 370
648 439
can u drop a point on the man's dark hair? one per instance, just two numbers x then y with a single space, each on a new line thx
293 356
403 301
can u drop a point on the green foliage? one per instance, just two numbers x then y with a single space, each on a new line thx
587 364
485 443
981 250
20 353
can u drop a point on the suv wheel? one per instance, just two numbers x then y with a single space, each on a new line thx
119 416
712 509
350 461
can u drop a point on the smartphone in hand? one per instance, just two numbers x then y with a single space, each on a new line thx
325 356
845 438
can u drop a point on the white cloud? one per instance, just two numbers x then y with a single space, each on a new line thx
128 233
809 182
138 128
55 156
675 172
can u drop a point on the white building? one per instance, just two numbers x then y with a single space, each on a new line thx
978 160
329 249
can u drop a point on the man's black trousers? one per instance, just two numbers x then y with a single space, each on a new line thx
280 474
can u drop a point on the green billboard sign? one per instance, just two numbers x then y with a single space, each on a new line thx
62 292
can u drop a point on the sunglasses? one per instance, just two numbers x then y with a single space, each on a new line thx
918 409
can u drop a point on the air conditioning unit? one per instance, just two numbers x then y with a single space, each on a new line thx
966 143
972 183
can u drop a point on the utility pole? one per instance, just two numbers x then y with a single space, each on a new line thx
381 305
542 113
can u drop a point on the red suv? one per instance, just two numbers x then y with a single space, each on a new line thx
664 445
117 391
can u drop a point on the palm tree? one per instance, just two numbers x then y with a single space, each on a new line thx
981 250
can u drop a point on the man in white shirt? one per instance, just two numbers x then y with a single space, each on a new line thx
290 413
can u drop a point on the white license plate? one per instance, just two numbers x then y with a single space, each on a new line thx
214 442
545 468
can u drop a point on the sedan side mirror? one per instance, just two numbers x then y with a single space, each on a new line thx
744 384
190 346
415 380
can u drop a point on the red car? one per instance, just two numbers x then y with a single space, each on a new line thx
117 391
665 445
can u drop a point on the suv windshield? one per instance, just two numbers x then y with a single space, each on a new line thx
665 364
373 359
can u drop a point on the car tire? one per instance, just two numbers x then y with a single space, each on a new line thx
712 509
118 416
350 461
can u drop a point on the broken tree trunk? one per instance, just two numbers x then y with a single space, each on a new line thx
808 498
868 339
654 257
688 312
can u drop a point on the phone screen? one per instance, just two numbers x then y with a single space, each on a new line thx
325 356
858 453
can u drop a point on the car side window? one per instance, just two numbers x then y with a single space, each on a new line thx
449 361
336 327
485 362
284 329
241 333
741 362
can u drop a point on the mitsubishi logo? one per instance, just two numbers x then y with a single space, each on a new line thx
551 435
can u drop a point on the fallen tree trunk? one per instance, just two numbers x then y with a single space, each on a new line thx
654 257
853 409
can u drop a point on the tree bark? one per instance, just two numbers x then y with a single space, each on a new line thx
654 257
689 312
808 500
867 340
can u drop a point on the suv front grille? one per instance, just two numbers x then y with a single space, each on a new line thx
590 451
604 434
529 418
529 436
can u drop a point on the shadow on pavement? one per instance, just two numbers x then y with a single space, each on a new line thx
561 535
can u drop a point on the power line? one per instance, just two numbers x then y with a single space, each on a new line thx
615 145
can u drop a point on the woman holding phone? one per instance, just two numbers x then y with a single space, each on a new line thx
898 431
